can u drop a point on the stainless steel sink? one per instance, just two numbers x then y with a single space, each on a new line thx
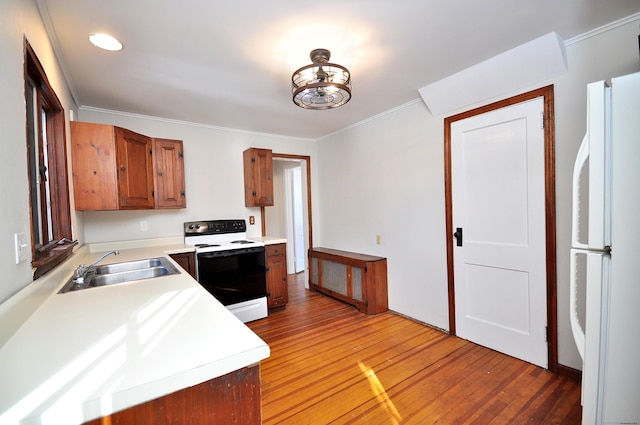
111 274
132 266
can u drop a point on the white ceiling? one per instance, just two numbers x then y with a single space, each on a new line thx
229 63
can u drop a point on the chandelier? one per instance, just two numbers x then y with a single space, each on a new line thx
321 85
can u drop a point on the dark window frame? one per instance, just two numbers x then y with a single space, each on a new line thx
46 256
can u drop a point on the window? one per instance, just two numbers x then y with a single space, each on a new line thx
48 176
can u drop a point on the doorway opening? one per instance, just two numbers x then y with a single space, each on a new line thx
290 217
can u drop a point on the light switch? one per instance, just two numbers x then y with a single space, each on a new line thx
20 247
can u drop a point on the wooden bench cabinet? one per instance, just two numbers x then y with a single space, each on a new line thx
358 279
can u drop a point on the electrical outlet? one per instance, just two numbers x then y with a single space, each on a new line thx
378 239
143 226
20 243
252 220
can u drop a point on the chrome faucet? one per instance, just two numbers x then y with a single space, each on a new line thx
82 270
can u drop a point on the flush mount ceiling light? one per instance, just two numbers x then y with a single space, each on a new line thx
321 85
105 41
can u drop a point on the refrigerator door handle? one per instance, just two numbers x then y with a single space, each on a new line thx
576 329
581 160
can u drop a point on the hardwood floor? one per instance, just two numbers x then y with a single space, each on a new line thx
330 363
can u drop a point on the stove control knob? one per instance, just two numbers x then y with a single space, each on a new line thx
197 226
191 226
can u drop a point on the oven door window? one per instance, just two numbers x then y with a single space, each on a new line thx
233 276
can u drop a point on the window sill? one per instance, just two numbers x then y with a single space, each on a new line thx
50 258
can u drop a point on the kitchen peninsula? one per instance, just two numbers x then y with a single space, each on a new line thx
76 357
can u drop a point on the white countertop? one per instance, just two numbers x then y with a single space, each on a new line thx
89 353
269 240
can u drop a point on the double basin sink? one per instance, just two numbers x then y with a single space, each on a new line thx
111 274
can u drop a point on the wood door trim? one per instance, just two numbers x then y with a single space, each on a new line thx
550 209
306 158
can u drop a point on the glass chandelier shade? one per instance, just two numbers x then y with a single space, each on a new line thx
321 85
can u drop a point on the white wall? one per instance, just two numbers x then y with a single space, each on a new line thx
213 173
19 19
386 177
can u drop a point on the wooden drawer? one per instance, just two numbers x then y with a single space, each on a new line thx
277 249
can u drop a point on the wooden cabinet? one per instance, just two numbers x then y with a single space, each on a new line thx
234 399
277 287
169 174
187 261
258 177
114 169
134 163
358 279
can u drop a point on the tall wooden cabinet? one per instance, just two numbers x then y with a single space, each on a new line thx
258 177
277 287
114 169
358 279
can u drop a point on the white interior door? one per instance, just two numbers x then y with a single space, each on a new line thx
498 200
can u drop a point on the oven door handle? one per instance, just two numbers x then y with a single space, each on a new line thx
229 253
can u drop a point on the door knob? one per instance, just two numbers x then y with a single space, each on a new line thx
458 236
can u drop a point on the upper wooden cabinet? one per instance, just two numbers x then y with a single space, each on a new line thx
114 169
258 177
169 174
134 165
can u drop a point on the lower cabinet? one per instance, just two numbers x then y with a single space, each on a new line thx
276 264
187 261
358 279
232 399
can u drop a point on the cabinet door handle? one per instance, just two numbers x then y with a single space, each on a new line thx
160 172
123 168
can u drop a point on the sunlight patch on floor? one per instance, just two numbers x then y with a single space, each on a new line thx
381 394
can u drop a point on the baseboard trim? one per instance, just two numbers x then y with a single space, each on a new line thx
569 372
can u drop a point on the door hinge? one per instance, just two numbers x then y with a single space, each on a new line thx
542 120
546 334
180 155
253 159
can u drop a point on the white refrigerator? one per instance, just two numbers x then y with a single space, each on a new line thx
605 253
